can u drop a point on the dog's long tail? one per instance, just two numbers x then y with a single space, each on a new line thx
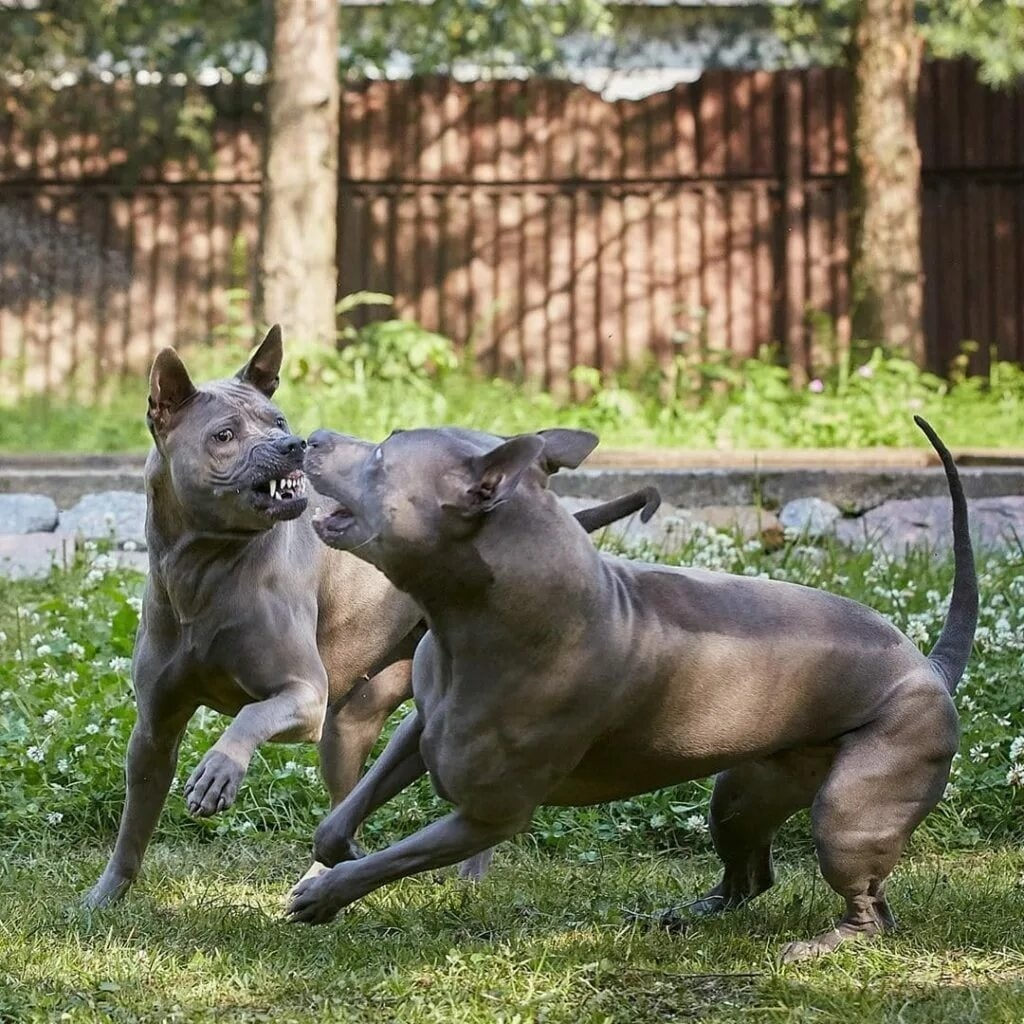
951 651
645 501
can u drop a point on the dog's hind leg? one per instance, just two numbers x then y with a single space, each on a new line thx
353 724
885 778
748 805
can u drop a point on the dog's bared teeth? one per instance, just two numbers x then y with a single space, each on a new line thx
273 488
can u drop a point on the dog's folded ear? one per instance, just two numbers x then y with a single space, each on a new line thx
494 476
170 387
263 371
565 449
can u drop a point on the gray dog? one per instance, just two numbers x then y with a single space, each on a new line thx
246 612
553 674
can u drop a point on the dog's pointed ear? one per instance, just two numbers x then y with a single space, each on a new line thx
494 476
565 449
170 387
263 371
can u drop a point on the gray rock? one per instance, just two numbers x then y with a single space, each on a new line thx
33 555
809 517
926 522
119 516
27 513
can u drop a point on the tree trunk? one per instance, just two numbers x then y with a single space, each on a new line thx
298 273
887 278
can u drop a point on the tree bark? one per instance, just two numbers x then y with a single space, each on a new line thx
887 277
298 272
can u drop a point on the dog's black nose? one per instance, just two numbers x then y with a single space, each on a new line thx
290 445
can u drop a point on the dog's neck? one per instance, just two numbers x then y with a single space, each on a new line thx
186 558
530 564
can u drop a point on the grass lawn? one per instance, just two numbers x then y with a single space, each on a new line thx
549 935
544 938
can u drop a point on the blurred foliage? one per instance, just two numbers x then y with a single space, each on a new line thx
990 32
182 44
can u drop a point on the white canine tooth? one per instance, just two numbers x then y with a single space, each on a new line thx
273 488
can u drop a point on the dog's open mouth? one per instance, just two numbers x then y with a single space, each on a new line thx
282 497
332 524
285 488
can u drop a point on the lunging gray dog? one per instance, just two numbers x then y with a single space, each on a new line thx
247 613
553 674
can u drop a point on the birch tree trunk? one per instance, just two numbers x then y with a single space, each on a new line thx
887 277
298 272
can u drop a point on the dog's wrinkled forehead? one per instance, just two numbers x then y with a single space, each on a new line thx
231 399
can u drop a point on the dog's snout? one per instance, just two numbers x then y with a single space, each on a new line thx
319 439
290 445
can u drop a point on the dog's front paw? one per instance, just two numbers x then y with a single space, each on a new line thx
318 900
213 786
106 892
335 846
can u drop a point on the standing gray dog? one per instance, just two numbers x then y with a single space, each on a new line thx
246 612
553 674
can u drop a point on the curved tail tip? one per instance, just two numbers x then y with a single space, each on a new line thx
653 501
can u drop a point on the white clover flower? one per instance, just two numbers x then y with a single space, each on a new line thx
43 651
696 823
76 650
51 716
1017 748
291 766
63 766
80 750
1015 776
54 818
36 754
130 545
92 728
312 774
120 665
59 633
978 752
7 695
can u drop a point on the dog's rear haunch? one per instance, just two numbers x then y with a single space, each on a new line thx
554 674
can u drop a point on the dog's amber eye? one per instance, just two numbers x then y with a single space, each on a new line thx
223 436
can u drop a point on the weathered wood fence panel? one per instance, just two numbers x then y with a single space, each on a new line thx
532 221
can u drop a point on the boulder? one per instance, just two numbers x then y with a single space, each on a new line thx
809 517
27 513
895 526
33 555
117 516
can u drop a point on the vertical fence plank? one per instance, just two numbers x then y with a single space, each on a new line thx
796 249
636 265
586 283
742 273
559 301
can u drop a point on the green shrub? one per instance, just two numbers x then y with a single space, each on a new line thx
393 373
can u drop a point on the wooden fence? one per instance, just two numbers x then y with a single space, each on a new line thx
532 220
